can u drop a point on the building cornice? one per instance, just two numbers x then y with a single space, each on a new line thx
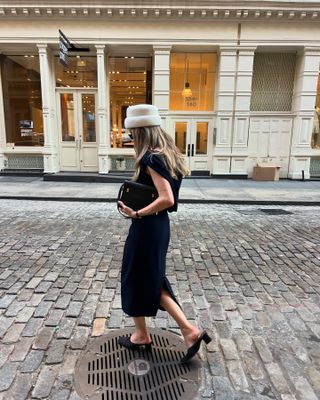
164 10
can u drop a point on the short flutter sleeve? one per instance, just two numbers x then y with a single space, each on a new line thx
157 162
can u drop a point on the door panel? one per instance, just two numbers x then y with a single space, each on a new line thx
269 141
69 156
192 138
78 136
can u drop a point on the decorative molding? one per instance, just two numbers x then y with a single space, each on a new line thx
194 10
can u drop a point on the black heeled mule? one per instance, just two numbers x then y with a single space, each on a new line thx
193 350
125 341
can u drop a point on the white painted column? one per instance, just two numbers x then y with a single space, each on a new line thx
103 123
242 100
304 98
225 107
50 148
3 140
161 81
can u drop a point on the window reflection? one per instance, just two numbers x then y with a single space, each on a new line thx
67 117
130 83
202 138
192 81
22 99
315 141
88 118
81 72
181 136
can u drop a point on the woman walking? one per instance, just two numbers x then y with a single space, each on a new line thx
144 286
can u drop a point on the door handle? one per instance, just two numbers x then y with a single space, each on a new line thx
188 153
192 150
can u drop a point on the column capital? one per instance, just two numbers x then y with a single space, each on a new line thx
42 47
161 49
311 50
101 48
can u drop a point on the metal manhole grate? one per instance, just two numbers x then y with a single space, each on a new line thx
264 211
275 211
107 371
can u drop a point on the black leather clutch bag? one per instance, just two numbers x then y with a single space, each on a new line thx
136 195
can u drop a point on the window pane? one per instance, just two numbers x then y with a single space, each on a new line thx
181 136
315 140
130 83
67 117
192 81
202 138
88 118
81 72
22 100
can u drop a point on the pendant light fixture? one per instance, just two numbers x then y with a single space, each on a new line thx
187 92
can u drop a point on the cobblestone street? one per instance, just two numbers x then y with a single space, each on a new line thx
250 278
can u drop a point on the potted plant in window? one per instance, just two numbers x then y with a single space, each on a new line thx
120 164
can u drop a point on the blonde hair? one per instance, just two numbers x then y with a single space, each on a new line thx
155 138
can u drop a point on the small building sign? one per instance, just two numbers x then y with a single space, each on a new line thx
64 45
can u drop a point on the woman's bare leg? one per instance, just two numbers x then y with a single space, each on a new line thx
189 332
141 334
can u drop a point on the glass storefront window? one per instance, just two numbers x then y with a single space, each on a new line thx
81 72
192 81
22 99
315 141
130 80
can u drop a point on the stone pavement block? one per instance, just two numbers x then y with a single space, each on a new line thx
13 333
32 327
33 283
306 315
243 340
14 308
44 382
63 301
5 351
80 337
35 299
43 309
115 319
6 300
56 351
229 349
277 378
217 312
222 388
20 389
5 323
313 375
43 287
237 375
7 374
25 314
74 309
32 361
65 328
69 362
54 317
252 366
102 310
216 364
304 390
43 338
99 325
263 349
21 349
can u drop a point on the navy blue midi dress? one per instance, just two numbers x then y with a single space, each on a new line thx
144 257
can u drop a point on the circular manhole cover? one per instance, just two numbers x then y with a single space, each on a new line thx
106 371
